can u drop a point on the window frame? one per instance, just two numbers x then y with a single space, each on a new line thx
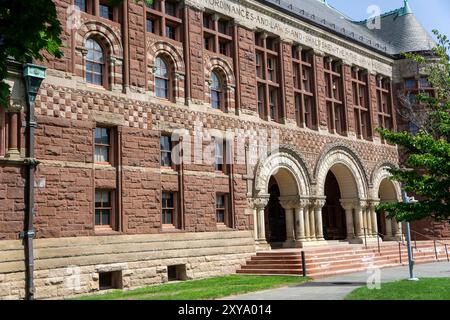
220 167
165 151
225 210
173 209
104 75
220 91
168 80
385 111
334 96
109 147
271 76
300 63
112 226
211 31
361 103
161 19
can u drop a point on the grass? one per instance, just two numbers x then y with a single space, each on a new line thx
424 289
211 288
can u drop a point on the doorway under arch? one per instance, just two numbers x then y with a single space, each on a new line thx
275 216
387 193
333 215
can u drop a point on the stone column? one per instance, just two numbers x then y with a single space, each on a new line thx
289 203
260 204
13 134
299 217
312 223
369 222
348 207
373 217
307 223
398 230
388 228
318 205
359 207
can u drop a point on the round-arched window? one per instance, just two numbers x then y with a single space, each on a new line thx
162 79
95 63
216 91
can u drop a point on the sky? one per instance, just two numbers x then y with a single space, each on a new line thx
432 14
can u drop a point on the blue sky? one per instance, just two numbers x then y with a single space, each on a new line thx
433 14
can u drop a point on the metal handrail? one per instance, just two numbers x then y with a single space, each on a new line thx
400 244
434 243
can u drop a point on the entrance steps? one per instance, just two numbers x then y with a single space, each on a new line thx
340 259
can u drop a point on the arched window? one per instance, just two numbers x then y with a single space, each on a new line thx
217 92
162 79
95 63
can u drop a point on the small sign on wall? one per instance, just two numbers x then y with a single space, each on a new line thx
39 183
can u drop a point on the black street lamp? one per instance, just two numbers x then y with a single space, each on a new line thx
33 75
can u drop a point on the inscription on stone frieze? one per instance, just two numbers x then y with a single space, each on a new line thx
259 20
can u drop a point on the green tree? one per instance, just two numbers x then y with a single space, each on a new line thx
29 30
427 171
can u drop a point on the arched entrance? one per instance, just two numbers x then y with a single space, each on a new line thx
342 182
388 193
275 216
281 200
333 215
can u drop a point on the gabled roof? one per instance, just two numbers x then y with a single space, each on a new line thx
400 30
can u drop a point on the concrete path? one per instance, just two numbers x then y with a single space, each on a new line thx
337 287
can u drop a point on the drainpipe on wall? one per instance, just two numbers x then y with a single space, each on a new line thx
34 75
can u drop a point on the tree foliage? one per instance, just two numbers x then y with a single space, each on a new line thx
29 29
427 171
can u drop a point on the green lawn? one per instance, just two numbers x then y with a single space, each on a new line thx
201 289
424 289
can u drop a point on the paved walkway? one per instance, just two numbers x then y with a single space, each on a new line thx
337 287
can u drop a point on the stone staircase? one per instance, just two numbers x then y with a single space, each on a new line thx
340 259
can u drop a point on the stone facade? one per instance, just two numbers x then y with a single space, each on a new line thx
68 109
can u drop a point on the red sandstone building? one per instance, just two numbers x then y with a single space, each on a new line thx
112 206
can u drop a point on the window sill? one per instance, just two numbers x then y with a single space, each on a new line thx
223 227
102 231
170 229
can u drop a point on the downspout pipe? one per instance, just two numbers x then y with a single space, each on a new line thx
33 75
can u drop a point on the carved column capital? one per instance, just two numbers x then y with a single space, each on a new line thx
318 203
260 202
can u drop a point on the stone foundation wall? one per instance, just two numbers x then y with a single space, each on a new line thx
70 266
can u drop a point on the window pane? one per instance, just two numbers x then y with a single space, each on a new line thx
161 68
162 88
171 8
220 202
97 217
220 216
106 199
106 217
98 198
215 99
81 4
150 26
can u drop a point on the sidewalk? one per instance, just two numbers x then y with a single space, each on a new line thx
337 287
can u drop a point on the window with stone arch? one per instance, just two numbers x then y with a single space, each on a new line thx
163 78
218 100
96 71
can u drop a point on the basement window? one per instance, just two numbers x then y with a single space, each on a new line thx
110 280
176 273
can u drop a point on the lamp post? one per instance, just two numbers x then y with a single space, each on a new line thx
411 262
33 75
